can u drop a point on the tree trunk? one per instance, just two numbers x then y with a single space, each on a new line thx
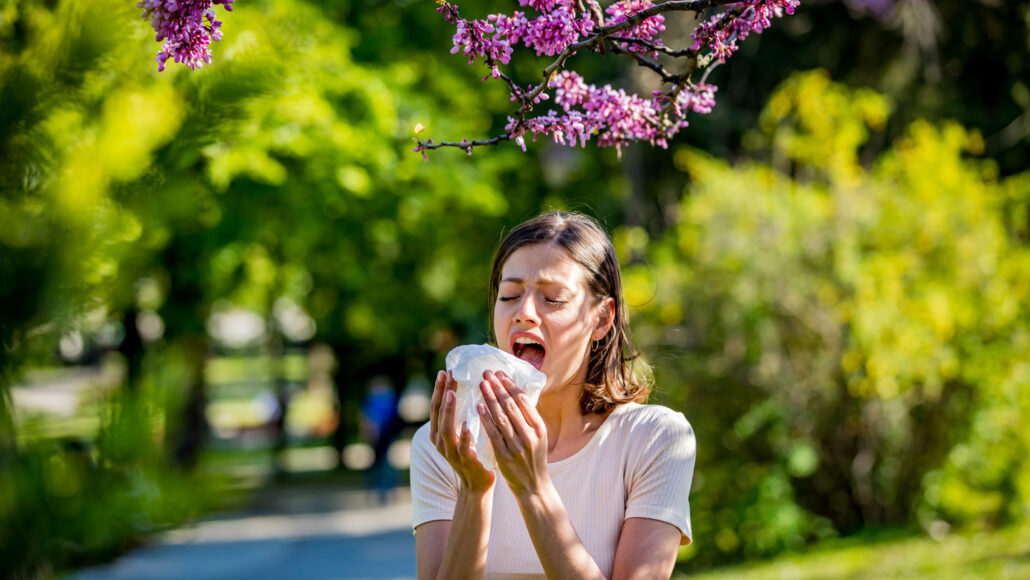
192 432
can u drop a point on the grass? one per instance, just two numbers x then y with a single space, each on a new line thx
996 555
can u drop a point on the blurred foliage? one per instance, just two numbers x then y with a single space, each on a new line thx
850 342
964 60
282 172
841 311
279 175
69 501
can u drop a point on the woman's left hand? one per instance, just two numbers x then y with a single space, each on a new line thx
516 431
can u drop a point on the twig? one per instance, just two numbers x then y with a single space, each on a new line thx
643 61
654 47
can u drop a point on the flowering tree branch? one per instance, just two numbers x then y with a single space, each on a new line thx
564 28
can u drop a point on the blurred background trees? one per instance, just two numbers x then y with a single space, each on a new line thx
844 337
830 273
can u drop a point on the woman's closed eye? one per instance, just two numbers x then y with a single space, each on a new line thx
551 301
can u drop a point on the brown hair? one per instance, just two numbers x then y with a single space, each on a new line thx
614 375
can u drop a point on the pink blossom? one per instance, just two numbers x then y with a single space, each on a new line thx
552 32
699 98
492 39
613 115
648 29
180 24
721 32
541 6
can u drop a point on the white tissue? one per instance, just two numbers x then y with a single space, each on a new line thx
467 363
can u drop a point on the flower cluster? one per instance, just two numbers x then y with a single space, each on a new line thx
648 29
181 25
471 38
721 33
555 28
699 98
613 115
617 118
563 28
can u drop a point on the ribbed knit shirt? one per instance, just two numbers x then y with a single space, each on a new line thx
638 464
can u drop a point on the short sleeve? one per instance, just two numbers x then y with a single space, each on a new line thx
434 485
661 472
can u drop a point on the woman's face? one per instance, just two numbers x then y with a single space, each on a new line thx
544 313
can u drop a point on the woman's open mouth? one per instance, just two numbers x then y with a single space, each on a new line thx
529 350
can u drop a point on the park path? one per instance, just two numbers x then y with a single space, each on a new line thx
314 535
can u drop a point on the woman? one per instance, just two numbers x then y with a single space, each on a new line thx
596 483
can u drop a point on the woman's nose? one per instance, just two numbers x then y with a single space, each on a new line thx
527 310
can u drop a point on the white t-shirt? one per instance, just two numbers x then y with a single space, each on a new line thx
638 464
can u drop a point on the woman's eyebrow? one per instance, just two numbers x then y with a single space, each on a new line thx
539 282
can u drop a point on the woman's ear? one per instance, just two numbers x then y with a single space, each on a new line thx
605 318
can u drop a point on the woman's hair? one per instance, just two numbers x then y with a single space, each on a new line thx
614 374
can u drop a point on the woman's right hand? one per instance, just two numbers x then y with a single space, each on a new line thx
459 451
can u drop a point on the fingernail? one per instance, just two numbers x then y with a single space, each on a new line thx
481 408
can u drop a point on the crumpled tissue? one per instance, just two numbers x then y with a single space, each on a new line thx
467 363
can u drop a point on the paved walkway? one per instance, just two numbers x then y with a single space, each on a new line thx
310 535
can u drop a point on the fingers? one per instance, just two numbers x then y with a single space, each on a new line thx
529 412
507 407
448 431
466 447
492 389
441 406
456 446
492 433
515 402
434 405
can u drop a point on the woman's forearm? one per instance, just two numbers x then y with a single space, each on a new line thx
465 555
561 552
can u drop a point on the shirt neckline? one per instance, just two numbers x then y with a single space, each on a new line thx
594 439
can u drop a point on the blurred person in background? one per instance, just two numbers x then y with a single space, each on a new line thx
380 424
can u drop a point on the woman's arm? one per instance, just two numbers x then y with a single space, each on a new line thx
519 439
647 549
561 552
456 548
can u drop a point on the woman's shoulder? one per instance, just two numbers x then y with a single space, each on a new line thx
422 433
650 418
421 444
426 462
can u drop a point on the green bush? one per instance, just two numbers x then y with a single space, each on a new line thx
849 342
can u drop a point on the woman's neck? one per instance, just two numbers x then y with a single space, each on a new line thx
568 429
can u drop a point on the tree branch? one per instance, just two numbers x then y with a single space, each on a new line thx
620 43
654 47
643 61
